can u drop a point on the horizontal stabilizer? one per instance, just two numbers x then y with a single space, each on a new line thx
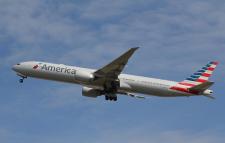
202 87
210 97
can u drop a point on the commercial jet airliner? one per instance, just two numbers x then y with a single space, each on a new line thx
109 81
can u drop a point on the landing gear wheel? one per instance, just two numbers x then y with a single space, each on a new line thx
115 98
111 98
21 80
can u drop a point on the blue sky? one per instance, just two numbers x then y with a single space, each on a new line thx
176 37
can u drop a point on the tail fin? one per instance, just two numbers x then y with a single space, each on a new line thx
201 75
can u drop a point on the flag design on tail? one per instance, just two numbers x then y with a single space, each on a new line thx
199 77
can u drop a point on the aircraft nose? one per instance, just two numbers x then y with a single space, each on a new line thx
15 67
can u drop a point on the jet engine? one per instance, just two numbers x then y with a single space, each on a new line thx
84 76
90 92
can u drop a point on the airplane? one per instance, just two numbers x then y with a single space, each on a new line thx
109 81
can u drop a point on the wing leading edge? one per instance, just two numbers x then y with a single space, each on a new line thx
114 69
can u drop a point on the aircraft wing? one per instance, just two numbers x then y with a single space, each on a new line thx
114 69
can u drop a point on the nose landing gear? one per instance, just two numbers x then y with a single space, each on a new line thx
22 79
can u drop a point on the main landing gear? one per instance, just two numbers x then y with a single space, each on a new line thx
110 90
111 98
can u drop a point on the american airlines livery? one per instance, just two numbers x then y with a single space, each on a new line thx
109 81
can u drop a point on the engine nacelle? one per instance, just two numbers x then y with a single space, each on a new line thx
84 76
90 92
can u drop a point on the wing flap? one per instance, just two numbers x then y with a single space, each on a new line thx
132 95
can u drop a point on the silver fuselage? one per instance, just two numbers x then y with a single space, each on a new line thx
69 74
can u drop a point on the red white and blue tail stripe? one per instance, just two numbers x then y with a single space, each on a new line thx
197 78
201 75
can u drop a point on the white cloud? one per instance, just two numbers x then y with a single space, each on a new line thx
170 136
132 135
173 29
